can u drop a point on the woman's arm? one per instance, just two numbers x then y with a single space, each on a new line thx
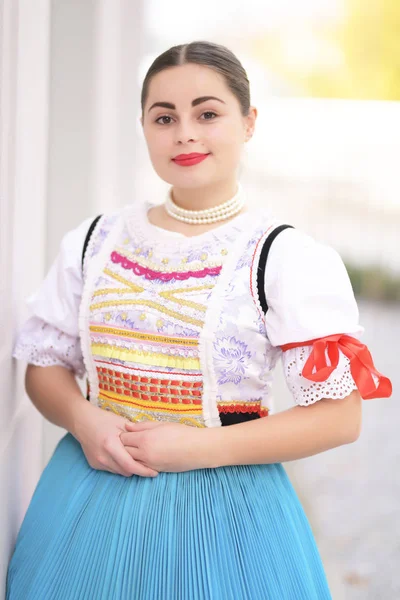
295 433
56 394
289 435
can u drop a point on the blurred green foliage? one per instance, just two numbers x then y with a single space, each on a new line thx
374 283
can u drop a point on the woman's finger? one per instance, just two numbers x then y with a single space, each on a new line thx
117 469
141 426
109 464
127 463
130 439
135 453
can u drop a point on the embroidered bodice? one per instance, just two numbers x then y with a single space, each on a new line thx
169 327
167 331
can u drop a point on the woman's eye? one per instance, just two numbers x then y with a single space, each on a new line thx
208 115
167 120
164 120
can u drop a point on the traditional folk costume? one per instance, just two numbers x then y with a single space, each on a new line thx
189 330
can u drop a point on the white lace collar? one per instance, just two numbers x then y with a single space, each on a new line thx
138 225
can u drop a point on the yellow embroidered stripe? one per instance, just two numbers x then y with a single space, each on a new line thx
150 405
171 295
126 412
195 288
105 291
132 286
146 358
151 304
137 335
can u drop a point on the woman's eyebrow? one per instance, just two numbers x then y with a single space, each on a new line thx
195 102
204 99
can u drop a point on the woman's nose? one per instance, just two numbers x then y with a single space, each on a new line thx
185 132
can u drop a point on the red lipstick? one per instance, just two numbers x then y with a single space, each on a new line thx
187 160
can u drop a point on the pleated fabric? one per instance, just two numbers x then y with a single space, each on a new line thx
230 533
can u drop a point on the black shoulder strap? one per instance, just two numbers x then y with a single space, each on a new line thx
263 262
87 238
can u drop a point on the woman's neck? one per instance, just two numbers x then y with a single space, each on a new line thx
204 197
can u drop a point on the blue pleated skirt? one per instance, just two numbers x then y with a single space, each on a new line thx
231 533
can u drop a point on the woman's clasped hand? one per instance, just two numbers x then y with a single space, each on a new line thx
99 433
111 443
172 447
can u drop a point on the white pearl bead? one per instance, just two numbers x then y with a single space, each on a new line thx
208 215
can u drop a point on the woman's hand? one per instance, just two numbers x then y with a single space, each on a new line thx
168 446
98 432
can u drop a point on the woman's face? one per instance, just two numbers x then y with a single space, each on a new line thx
198 115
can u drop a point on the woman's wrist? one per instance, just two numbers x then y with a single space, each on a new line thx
81 411
213 448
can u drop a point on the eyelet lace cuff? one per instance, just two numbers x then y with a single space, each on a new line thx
324 358
43 345
339 384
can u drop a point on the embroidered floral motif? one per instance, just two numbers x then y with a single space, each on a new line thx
169 328
100 235
247 256
198 253
232 357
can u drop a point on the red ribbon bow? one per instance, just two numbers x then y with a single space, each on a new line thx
361 364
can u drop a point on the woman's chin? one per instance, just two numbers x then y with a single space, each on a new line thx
187 180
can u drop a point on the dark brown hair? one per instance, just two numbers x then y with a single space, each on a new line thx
214 56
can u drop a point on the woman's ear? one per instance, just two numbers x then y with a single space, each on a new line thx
250 123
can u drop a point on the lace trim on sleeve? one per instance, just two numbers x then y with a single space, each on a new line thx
338 385
44 345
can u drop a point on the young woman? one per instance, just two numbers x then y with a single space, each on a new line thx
169 483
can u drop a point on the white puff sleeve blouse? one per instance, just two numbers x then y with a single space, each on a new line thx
51 335
313 317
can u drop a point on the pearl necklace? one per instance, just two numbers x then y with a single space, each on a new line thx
209 215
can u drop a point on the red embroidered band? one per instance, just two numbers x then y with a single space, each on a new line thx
163 276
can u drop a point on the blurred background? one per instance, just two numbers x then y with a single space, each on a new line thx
325 77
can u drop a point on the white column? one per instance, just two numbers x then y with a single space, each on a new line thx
118 48
24 79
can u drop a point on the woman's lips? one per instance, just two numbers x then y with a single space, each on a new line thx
187 160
